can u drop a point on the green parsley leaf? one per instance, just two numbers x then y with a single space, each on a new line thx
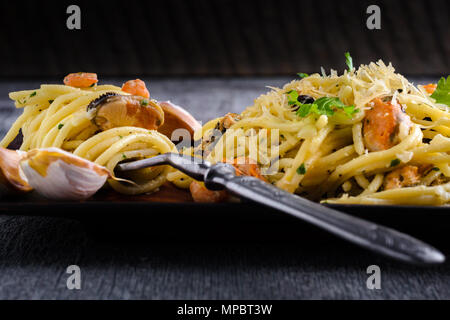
350 111
325 106
442 92
301 170
349 61
124 156
50 101
92 85
395 162
60 126
144 102
292 97
33 94
302 75
435 169
120 137
304 110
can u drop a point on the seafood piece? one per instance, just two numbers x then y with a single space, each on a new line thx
112 110
201 194
383 125
81 80
244 167
209 141
60 175
175 118
227 121
136 87
407 176
430 88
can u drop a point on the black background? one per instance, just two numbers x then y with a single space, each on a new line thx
220 38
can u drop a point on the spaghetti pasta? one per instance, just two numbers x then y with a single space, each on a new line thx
338 138
57 116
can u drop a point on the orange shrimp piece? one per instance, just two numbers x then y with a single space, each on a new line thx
408 176
382 123
430 88
81 79
201 194
136 87
244 167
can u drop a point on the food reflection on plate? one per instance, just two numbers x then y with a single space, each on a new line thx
366 136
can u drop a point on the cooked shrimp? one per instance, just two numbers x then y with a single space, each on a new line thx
407 176
201 194
430 88
382 125
81 80
227 121
208 142
244 167
247 167
136 87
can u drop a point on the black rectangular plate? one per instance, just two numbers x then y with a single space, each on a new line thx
165 208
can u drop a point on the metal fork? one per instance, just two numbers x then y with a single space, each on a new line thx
366 234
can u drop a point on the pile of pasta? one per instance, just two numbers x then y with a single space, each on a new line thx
324 157
57 116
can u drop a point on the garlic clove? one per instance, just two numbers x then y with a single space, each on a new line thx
11 177
60 175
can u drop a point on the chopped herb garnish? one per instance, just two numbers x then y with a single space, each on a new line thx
349 61
395 162
92 85
292 97
301 170
435 169
350 110
120 137
60 126
50 101
124 156
442 92
33 94
144 102
303 75
323 106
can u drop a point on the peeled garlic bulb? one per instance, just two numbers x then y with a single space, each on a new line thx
60 175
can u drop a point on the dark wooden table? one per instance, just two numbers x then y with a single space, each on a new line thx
240 264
